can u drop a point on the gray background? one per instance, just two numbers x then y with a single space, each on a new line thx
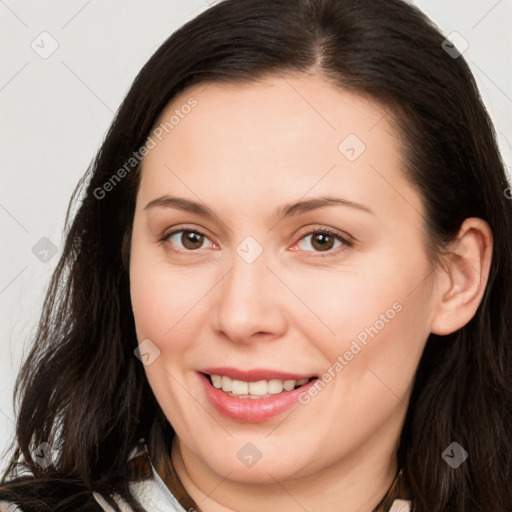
56 109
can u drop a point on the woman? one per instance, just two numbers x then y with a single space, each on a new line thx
288 283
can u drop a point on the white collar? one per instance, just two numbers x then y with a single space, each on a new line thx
152 494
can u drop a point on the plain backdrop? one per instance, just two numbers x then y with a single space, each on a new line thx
66 66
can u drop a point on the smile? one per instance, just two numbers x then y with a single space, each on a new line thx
255 390
255 395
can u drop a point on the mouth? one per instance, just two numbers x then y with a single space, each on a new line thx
255 395
259 389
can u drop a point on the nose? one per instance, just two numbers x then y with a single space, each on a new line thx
250 302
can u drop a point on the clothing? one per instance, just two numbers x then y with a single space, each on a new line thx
154 495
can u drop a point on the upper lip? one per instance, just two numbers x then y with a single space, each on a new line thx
255 374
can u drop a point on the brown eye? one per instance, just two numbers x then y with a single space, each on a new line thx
184 240
321 241
192 240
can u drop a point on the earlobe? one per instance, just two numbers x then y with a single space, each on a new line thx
465 272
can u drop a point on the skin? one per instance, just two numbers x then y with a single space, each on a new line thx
244 151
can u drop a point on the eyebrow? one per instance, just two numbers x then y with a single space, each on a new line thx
287 210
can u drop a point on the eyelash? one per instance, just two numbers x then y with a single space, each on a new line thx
346 243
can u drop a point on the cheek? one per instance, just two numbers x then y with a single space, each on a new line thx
374 325
164 300
152 307
342 303
163 303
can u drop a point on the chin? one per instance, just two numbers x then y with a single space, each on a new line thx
264 470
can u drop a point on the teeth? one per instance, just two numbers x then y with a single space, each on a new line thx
258 388
261 388
239 387
275 386
226 384
288 385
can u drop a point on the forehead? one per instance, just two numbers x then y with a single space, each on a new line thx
280 111
292 134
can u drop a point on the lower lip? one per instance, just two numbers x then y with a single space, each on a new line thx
251 410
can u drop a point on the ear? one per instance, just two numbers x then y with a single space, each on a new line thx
462 277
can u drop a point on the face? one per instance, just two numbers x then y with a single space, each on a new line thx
279 277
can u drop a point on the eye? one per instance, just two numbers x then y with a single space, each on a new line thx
322 240
187 240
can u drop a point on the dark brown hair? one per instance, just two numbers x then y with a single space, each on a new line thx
82 389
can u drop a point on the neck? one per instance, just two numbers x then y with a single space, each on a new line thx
356 483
